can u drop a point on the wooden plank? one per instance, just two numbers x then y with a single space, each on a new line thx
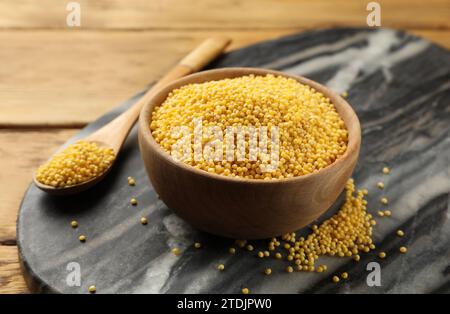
219 14
63 78
70 78
11 279
21 151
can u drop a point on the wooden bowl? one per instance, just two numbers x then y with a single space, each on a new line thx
245 208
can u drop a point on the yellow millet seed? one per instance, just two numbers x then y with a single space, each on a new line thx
278 255
356 257
386 170
176 251
344 275
312 135
387 213
289 269
133 201
400 233
268 271
74 224
382 255
82 238
131 181
78 163
380 213
266 253
232 250
344 94
245 291
92 289
221 267
384 200
144 221
197 245
403 249
260 254
380 185
250 247
335 279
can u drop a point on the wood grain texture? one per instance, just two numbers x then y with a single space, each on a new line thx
11 280
219 14
20 153
63 78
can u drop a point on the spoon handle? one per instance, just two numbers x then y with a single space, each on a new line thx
114 133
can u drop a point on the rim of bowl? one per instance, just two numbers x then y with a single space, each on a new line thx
354 131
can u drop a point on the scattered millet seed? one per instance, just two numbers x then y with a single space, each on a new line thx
344 94
365 191
241 243
221 267
245 291
250 247
144 221
92 289
356 257
386 170
131 181
232 250
325 267
372 246
384 200
400 233
346 233
133 201
380 185
278 255
82 238
382 255
403 249
344 275
312 134
79 162
74 224
176 251
260 254
268 271
289 269
387 213
320 269
335 279
380 213
266 253
197 245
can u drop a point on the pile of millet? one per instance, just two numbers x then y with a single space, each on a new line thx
79 162
312 135
346 233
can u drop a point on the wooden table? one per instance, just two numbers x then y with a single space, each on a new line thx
55 79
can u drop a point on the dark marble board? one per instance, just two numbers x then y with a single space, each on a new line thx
399 86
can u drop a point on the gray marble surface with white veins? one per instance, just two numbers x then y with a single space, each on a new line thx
399 86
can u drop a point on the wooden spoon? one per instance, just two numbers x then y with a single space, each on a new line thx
113 134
